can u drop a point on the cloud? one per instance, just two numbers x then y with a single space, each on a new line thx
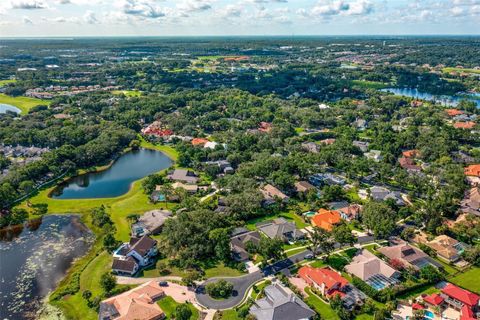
142 9
26 20
194 5
90 18
28 4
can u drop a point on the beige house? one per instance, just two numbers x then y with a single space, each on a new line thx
446 248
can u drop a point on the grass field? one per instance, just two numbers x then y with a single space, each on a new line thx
325 311
22 103
469 280
168 306
228 315
290 215
5 82
128 93
369 84
460 70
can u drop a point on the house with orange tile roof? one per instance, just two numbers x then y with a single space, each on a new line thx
326 219
199 141
330 283
473 174
453 112
464 125
411 153
136 304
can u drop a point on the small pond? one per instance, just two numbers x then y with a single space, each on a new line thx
6 107
34 258
447 100
116 180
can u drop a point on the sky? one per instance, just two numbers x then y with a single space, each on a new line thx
50 18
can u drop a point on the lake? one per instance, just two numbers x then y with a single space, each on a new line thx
6 107
34 258
116 180
443 99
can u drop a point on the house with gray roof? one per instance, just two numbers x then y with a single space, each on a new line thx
239 241
280 303
183 175
281 229
378 193
150 222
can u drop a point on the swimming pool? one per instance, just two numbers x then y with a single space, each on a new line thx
428 316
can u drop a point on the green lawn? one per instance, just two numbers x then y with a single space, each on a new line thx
325 311
168 305
469 280
369 84
364 317
290 215
460 70
295 251
90 278
4 82
22 103
168 150
128 93
229 315
426 289
221 270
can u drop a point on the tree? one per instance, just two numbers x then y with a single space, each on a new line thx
183 312
219 289
108 282
381 314
472 255
270 248
379 218
110 243
431 274
40 209
86 294
190 278
320 241
343 235
221 238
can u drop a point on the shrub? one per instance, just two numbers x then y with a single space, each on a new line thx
183 312
220 289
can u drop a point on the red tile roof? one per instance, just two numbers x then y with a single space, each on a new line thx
464 125
199 141
473 170
453 112
467 314
325 276
417 306
434 299
411 153
326 219
468 298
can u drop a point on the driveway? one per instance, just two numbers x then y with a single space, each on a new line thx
179 293
243 283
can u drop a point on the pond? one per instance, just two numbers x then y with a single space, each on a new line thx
34 258
6 107
116 180
447 100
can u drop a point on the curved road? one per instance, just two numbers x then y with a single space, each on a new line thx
242 284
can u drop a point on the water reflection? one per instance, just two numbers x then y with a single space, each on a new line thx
34 258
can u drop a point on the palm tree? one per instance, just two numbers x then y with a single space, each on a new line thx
167 191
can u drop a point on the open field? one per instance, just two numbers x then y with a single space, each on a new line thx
469 280
460 70
128 93
369 84
22 103
5 82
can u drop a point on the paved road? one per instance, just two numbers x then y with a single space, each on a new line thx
241 285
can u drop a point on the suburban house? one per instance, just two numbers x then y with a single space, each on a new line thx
409 165
362 145
190 188
131 256
321 179
473 174
303 187
347 211
280 303
411 153
239 240
270 194
464 125
408 256
373 270
453 112
281 229
224 166
326 219
463 300
447 248
183 175
199 141
150 222
330 283
375 155
471 202
382 194
138 303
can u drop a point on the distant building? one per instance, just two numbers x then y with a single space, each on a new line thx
409 256
270 194
447 248
473 174
303 187
382 194
326 219
131 256
348 212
